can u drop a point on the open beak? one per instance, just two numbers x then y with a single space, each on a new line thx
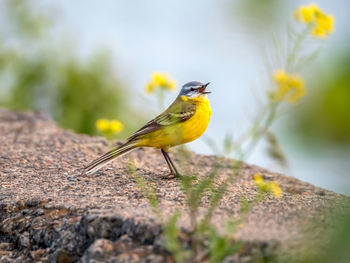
202 89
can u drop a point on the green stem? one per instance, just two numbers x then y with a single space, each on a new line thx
161 99
297 44
262 130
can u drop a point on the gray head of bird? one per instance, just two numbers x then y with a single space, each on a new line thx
194 89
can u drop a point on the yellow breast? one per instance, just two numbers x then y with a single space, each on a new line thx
183 132
196 126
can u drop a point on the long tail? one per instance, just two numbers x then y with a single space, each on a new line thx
108 157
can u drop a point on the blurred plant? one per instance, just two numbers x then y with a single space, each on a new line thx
159 84
109 128
289 87
325 116
160 81
251 13
204 241
172 242
146 189
37 73
287 84
338 242
30 24
268 187
333 246
221 246
321 24
318 25
274 149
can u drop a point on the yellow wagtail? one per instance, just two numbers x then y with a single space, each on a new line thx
185 120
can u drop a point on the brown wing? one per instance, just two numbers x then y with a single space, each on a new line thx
178 111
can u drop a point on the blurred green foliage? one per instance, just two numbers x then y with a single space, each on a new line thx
172 241
251 13
39 74
339 249
326 115
221 246
335 246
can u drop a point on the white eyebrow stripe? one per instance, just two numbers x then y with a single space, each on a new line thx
193 87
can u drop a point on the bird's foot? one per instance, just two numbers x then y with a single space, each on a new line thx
171 176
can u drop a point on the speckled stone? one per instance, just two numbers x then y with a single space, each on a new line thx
49 211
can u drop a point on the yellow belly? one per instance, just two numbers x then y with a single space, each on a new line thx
183 132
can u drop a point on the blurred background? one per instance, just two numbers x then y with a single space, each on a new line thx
79 61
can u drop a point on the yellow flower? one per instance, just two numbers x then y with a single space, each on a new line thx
275 189
321 23
171 85
306 14
150 87
260 183
289 86
116 126
258 178
109 127
324 26
102 125
268 187
160 80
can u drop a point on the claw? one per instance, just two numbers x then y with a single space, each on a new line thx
171 176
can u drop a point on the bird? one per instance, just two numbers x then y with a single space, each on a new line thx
185 120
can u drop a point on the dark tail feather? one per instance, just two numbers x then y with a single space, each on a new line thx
108 157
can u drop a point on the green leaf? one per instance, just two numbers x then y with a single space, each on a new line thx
221 246
172 242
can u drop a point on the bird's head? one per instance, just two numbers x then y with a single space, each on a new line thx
194 89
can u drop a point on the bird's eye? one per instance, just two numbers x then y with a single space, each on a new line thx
192 89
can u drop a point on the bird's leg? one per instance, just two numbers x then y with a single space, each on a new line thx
167 161
166 157
177 174
171 165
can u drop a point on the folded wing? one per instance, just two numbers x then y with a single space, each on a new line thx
179 111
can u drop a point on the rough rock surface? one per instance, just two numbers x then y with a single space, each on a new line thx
50 212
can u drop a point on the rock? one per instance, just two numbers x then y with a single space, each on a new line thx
123 250
62 256
101 249
50 211
40 254
5 246
24 240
